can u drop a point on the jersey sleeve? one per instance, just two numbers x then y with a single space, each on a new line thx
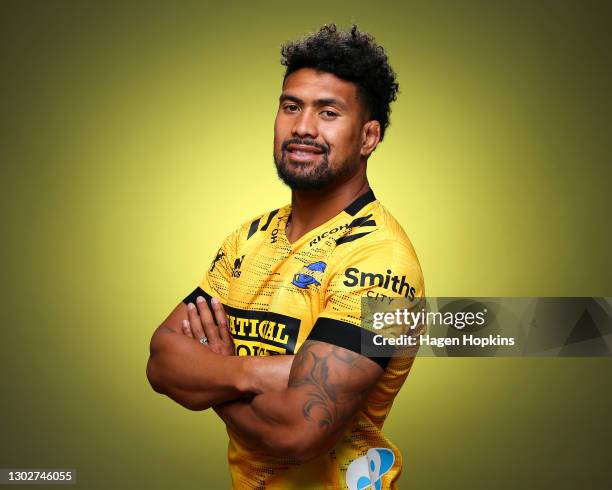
216 280
380 271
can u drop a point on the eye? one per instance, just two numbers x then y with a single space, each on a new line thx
291 108
329 114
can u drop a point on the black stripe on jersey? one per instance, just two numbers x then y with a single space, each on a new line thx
351 238
253 228
362 221
272 214
348 336
360 202
191 297
370 222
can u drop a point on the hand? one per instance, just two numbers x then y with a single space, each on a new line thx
200 324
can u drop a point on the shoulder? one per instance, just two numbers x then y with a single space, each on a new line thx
385 239
382 252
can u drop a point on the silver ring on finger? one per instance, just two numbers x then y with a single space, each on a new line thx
204 340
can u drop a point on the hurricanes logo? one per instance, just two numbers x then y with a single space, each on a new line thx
309 274
367 471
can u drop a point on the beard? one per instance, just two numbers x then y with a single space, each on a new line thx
309 175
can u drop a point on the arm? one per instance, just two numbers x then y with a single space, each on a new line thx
327 386
198 376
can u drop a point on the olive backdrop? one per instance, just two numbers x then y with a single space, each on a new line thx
135 135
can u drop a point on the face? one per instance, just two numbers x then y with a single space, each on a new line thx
319 130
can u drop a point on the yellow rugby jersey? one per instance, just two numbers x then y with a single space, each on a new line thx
278 294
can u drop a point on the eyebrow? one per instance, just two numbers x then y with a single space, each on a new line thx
317 102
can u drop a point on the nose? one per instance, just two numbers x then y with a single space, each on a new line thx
305 125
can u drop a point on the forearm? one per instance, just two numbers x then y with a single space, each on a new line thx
326 388
191 374
276 425
197 378
267 422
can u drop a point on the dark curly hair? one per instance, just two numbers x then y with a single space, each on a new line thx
353 56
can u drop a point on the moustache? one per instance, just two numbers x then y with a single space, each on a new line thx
308 142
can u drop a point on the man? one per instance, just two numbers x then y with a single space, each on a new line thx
290 283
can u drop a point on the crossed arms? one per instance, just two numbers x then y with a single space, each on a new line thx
284 406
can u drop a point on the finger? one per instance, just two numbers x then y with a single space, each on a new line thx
210 329
221 320
194 321
186 328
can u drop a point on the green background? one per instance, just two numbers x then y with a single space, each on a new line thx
135 136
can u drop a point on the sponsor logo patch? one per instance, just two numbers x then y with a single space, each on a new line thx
260 333
356 223
327 233
236 268
367 471
395 283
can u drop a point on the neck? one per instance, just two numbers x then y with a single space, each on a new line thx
310 209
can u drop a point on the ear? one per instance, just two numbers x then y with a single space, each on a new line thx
370 136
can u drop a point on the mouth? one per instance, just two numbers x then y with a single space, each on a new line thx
303 153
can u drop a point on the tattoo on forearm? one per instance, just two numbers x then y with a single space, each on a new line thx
327 404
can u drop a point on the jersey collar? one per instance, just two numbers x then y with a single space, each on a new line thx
359 203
